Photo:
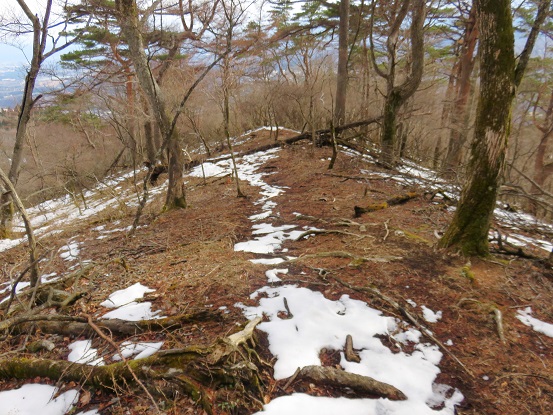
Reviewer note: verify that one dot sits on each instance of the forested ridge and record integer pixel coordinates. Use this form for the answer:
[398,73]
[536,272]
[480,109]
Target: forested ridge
[404,167]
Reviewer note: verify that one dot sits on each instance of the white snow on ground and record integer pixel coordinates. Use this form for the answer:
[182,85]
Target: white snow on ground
[126,296]
[316,322]
[134,312]
[6,244]
[83,352]
[540,326]
[268,261]
[8,288]
[319,323]
[209,170]
[70,252]
[429,315]
[139,350]
[126,308]
[34,398]
[272,274]
[48,217]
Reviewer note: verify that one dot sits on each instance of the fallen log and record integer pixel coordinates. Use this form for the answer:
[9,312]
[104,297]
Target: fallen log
[395,200]
[364,386]
[194,371]
[70,325]
[308,135]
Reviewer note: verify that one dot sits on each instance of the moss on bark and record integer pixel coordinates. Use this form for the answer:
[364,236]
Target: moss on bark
[470,225]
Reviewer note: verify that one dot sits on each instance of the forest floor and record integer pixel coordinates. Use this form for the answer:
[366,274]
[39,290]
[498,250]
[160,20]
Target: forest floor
[188,257]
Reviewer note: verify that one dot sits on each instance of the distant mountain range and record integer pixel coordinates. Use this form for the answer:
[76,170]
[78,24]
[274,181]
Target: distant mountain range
[12,81]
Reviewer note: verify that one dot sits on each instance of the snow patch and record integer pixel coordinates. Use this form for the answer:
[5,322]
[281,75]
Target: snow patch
[540,326]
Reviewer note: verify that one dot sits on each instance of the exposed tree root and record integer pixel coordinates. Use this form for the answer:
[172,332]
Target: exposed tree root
[193,370]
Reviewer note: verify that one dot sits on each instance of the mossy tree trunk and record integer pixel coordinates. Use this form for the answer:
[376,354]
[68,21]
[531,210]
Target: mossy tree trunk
[397,95]
[468,230]
[127,16]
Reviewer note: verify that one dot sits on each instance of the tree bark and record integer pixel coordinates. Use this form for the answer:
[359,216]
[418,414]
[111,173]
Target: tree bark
[40,32]
[463,87]
[363,385]
[397,95]
[128,19]
[469,227]
[342,75]
[499,78]
[28,228]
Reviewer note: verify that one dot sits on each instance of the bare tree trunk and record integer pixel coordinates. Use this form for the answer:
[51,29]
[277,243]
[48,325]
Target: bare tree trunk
[149,132]
[28,228]
[468,230]
[128,19]
[470,225]
[396,96]
[543,170]
[459,114]
[40,32]
[342,75]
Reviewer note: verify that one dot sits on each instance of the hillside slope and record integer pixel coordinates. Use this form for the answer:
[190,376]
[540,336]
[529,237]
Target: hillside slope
[298,226]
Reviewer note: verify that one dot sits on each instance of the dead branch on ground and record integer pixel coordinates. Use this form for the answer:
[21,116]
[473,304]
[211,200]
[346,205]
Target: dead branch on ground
[396,200]
[364,386]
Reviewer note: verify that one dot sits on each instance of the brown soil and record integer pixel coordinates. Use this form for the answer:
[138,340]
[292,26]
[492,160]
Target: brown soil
[188,257]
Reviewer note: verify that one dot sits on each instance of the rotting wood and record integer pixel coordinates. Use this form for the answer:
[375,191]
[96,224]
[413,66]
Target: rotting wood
[351,355]
[364,386]
[395,305]
[395,200]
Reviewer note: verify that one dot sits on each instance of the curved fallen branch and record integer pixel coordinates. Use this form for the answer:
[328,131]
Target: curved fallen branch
[364,386]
